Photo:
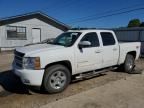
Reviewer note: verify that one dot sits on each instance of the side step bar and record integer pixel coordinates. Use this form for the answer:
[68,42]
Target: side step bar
[91,74]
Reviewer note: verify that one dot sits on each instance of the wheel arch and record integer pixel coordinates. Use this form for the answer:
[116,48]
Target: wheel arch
[66,63]
[133,53]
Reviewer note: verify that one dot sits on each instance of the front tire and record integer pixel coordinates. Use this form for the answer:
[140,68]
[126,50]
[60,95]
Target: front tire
[56,78]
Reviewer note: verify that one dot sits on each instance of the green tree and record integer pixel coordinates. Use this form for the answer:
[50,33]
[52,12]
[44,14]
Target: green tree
[134,23]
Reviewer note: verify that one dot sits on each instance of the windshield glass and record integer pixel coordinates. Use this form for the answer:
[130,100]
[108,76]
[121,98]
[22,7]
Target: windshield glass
[67,39]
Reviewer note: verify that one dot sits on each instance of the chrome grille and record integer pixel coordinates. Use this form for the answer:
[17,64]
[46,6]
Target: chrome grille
[19,59]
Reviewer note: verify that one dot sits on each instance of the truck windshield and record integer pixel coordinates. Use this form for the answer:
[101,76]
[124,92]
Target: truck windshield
[66,39]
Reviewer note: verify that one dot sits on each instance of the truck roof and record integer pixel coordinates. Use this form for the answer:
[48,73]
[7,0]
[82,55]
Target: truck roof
[91,30]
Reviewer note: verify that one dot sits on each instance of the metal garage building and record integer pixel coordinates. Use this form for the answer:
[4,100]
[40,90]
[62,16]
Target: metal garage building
[28,28]
[135,34]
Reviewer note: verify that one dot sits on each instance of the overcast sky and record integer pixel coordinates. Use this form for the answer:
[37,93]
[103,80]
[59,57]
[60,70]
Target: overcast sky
[72,12]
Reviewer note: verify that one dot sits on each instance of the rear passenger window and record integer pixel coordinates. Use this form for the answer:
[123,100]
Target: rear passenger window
[107,38]
[93,38]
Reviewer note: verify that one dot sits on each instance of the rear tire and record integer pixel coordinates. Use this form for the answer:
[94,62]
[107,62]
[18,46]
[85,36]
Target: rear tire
[129,63]
[56,78]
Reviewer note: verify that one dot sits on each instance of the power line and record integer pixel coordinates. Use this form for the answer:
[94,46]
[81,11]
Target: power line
[109,15]
[109,11]
[70,3]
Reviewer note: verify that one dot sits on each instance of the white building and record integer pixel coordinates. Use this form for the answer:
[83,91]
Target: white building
[28,28]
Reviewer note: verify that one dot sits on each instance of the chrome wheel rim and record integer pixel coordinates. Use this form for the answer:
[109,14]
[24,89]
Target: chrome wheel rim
[58,80]
[130,64]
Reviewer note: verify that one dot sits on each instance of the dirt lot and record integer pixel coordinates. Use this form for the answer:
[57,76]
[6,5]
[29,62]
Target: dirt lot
[124,93]
[14,94]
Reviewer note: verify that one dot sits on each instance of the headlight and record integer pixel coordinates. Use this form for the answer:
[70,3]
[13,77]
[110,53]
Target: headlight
[31,63]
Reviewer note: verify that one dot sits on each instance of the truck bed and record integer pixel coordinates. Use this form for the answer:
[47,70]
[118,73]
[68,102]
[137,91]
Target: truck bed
[128,46]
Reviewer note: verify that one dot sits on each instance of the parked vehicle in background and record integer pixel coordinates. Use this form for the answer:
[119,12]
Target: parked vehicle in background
[44,41]
[135,34]
[76,53]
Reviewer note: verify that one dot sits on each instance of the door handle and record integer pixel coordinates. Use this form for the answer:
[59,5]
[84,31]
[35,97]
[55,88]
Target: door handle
[98,51]
[115,49]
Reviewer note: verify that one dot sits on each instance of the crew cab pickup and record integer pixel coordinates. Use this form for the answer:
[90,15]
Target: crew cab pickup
[73,53]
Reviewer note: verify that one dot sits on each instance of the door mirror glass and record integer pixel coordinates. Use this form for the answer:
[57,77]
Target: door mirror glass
[84,44]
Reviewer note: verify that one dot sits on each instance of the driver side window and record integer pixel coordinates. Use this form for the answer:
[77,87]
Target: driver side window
[92,38]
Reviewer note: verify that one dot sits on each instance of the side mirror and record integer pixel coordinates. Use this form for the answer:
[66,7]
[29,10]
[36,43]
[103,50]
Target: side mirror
[84,44]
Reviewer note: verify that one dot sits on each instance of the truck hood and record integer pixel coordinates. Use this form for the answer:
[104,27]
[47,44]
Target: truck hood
[38,48]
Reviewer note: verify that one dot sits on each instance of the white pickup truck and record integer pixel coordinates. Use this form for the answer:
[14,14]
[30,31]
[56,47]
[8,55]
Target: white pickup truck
[73,53]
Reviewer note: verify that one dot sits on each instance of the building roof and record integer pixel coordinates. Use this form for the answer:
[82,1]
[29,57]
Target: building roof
[129,29]
[39,15]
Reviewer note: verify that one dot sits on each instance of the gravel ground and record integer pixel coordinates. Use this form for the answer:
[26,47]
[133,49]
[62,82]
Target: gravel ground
[124,93]
[13,94]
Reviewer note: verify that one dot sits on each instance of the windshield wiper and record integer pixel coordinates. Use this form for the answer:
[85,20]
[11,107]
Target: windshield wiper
[35,43]
[53,43]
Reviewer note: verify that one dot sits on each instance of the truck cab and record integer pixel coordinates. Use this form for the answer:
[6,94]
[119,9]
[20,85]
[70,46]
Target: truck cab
[75,52]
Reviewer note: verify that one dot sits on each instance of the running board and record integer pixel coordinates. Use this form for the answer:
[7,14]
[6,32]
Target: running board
[92,74]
